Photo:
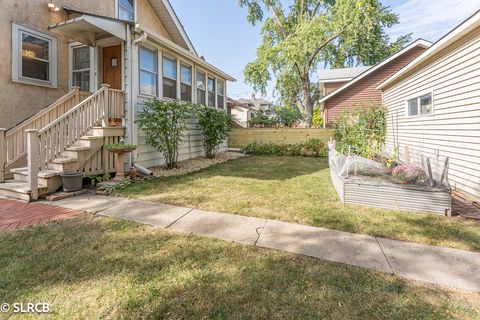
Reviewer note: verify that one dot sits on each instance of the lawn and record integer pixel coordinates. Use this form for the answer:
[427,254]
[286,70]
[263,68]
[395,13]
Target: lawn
[93,267]
[297,189]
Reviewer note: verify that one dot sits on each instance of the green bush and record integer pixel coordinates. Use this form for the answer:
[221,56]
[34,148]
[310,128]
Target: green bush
[311,148]
[362,129]
[317,118]
[164,123]
[262,120]
[215,125]
[289,115]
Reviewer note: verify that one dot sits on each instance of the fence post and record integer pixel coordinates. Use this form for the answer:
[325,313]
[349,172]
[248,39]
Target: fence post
[3,154]
[106,106]
[33,162]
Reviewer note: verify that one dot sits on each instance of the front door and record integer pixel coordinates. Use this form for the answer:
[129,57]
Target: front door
[112,66]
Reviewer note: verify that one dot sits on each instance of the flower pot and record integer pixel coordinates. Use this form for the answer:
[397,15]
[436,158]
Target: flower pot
[72,181]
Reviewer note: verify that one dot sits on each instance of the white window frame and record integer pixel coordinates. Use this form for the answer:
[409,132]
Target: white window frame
[204,72]
[17,31]
[117,10]
[218,93]
[214,90]
[192,79]
[177,81]
[418,97]
[156,56]
[71,47]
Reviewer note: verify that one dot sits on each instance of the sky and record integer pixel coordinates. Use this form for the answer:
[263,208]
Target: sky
[220,32]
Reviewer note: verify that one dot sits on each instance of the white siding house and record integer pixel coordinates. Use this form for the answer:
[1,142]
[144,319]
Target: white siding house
[433,107]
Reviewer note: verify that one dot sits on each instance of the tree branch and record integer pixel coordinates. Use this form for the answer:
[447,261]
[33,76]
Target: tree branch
[271,7]
[336,35]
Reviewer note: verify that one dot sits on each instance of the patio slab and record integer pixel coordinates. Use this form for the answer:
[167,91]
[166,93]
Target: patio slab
[443,266]
[221,225]
[155,214]
[354,249]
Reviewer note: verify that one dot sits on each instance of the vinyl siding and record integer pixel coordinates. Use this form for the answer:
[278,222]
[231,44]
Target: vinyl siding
[365,91]
[453,76]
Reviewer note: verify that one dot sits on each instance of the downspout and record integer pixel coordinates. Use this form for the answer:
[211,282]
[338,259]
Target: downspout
[132,61]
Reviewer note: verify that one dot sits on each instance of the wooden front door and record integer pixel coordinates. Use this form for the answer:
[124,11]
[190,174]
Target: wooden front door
[112,67]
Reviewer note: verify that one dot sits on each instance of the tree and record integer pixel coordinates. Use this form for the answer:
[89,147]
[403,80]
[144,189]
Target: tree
[289,115]
[164,123]
[215,125]
[296,40]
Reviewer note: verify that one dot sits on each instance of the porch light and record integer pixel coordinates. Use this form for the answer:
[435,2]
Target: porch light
[53,7]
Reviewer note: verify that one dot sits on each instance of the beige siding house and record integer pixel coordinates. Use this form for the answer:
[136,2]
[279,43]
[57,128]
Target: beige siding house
[73,73]
[434,107]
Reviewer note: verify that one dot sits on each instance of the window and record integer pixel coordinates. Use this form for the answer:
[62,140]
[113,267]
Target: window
[201,88]
[185,83]
[211,92]
[220,94]
[33,57]
[81,67]
[420,106]
[148,71]
[126,10]
[169,78]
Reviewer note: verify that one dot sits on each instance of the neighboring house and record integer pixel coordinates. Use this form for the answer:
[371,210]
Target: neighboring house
[259,105]
[56,56]
[433,107]
[340,95]
[242,112]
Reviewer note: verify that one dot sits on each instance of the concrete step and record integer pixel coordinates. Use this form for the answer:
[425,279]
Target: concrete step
[21,175]
[107,131]
[64,164]
[89,141]
[17,190]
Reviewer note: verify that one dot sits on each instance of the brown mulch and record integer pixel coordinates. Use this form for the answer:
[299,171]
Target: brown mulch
[193,165]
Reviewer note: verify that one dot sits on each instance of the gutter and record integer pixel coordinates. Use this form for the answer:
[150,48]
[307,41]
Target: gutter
[143,170]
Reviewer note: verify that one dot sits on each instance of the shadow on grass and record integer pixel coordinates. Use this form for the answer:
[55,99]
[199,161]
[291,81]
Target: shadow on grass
[98,267]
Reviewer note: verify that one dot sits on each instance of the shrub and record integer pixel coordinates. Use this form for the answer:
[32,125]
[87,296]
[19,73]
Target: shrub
[317,118]
[408,173]
[311,148]
[215,125]
[262,120]
[163,123]
[289,115]
[363,129]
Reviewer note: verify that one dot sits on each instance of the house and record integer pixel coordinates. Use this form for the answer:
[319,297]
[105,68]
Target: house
[74,75]
[433,108]
[242,112]
[259,105]
[345,89]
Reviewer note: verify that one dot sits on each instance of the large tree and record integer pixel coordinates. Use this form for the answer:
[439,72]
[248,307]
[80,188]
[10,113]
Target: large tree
[298,38]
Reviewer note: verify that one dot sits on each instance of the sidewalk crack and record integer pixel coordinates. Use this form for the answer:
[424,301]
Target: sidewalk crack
[176,220]
[259,233]
[386,258]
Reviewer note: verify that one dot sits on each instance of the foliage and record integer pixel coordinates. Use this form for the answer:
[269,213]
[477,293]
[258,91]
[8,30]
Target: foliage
[164,123]
[215,125]
[288,115]
[298,38]
[362,129]
[311,148]
[408,173]
[262,120]
[94,180]
[317,118]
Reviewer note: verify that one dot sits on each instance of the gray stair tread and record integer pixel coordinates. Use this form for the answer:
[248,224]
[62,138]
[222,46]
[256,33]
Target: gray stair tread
[41,174]
[91,138]
[17,186]
[64,160]
[78,148]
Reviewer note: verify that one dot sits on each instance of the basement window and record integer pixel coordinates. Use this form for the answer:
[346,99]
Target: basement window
[420,106]
[33,57]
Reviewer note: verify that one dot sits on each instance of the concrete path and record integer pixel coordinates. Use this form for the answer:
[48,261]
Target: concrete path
[442,266]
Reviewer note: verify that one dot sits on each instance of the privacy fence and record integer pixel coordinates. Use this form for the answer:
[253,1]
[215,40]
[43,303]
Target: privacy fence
[242,137]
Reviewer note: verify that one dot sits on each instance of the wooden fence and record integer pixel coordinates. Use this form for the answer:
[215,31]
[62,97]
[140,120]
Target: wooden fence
[242,137]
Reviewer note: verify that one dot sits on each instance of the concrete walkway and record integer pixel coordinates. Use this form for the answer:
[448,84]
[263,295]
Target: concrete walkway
[442,266]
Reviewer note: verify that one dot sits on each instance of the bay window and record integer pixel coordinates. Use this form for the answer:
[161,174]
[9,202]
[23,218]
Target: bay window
[211,92]
[220,94]
[201,88]
[33,56]
[185,83]
[148,71]
[420,106]
[169,78]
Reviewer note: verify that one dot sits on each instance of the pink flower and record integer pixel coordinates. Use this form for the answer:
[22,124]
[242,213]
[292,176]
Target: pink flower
[408,172]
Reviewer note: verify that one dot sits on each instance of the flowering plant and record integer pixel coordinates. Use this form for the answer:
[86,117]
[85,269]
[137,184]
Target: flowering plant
[407,173]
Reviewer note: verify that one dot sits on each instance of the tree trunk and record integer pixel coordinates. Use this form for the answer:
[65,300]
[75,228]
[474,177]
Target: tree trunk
[307,100]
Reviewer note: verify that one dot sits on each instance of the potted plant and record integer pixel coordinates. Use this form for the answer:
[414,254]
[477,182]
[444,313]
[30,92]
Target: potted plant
[120,150]
[407,174]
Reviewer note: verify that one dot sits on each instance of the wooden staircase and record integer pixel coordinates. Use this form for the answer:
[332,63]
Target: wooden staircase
[72,141]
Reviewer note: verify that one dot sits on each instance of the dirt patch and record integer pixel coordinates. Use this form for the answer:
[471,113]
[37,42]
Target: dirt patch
[192,165]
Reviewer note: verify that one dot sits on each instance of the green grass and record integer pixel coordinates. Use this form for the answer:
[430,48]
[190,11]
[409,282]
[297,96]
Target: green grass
[102,268]
[297,189]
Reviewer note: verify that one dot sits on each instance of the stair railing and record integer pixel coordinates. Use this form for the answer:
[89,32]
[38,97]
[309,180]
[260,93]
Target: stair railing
[13,142]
